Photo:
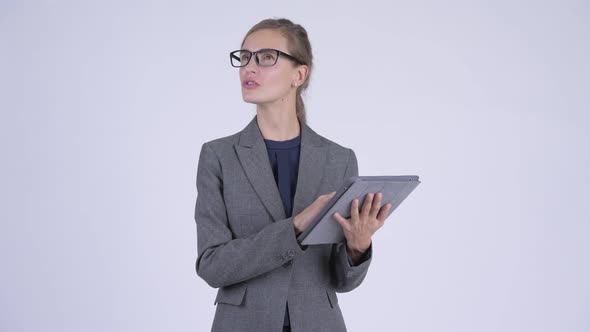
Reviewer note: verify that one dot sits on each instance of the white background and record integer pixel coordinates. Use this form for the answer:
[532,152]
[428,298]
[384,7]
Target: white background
[105,105]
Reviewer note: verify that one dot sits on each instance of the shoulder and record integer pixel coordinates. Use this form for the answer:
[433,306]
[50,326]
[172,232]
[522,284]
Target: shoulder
[332,146]
[221,144]
[228,140]
[336,146]
[337,154]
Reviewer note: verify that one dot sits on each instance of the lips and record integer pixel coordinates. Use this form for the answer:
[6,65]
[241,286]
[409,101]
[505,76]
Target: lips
[249,84]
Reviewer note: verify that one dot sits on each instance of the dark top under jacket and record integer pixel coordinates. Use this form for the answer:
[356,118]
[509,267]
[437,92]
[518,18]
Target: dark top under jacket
[284,161]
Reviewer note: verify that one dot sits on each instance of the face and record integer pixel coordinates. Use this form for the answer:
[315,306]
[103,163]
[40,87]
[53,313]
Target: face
[273,83]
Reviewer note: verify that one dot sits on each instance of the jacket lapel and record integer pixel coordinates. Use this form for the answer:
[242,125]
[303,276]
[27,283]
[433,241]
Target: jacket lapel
[312,163]
[253,157]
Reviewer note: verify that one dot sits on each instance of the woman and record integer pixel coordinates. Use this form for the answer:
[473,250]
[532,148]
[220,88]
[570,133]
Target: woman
[258,189]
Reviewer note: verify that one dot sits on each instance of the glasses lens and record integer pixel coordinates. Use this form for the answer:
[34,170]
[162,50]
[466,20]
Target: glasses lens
[267,57]
[240,58]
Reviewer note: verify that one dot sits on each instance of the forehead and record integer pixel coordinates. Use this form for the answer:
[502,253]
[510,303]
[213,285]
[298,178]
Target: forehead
[266,38]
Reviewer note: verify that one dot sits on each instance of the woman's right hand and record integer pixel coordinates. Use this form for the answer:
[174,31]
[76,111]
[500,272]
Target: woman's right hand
[303,219]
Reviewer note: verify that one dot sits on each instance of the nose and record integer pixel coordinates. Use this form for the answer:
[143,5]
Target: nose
[252,66]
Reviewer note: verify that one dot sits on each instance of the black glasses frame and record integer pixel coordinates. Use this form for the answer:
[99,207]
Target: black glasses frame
[255,55]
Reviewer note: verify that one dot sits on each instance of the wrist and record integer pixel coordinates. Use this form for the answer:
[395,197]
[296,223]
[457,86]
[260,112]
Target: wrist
[356,252]
[358,248]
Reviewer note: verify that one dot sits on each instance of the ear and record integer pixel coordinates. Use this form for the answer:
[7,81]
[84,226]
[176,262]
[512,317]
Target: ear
[300,75]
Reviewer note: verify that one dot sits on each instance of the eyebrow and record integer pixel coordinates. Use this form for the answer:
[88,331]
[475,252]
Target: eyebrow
[262,48]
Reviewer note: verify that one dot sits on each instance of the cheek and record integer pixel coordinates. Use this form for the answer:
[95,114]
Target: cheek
[278,80]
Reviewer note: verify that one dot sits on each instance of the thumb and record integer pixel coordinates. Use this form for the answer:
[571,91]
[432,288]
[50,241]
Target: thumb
[340,219]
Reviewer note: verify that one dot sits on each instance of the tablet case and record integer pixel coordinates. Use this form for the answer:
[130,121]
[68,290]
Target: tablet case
[325,229]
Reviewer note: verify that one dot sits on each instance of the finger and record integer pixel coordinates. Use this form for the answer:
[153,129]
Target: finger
[341,220]
[326,197]
[367,205]
[354,210]
[383,212]
[376,205]
[322,200]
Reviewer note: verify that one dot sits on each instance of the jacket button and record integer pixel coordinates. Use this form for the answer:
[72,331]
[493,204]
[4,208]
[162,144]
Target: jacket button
[291,252]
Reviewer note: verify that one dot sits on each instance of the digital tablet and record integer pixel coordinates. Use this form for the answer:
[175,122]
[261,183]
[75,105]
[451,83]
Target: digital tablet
[325,229]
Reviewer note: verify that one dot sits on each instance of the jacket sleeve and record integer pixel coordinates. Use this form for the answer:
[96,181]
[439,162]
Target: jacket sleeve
[221,259]
[345,276]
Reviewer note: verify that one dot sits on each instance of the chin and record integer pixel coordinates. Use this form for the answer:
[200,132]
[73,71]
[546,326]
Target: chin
[250,100]
[253,99]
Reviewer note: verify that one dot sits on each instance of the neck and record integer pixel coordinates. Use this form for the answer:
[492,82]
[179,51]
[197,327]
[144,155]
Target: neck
[278,122]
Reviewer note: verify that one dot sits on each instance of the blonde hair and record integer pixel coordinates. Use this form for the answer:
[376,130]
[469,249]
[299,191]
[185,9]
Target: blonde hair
[299,47]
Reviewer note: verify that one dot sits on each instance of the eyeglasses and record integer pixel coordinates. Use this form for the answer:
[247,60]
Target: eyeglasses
[265,57]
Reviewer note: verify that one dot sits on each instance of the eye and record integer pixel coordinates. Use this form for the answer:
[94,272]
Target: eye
[267,56]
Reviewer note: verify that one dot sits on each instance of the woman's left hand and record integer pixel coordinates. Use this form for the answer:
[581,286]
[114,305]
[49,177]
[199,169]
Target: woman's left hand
[361,226]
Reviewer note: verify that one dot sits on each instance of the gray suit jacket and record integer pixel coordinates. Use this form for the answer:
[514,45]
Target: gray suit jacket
[247,247]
